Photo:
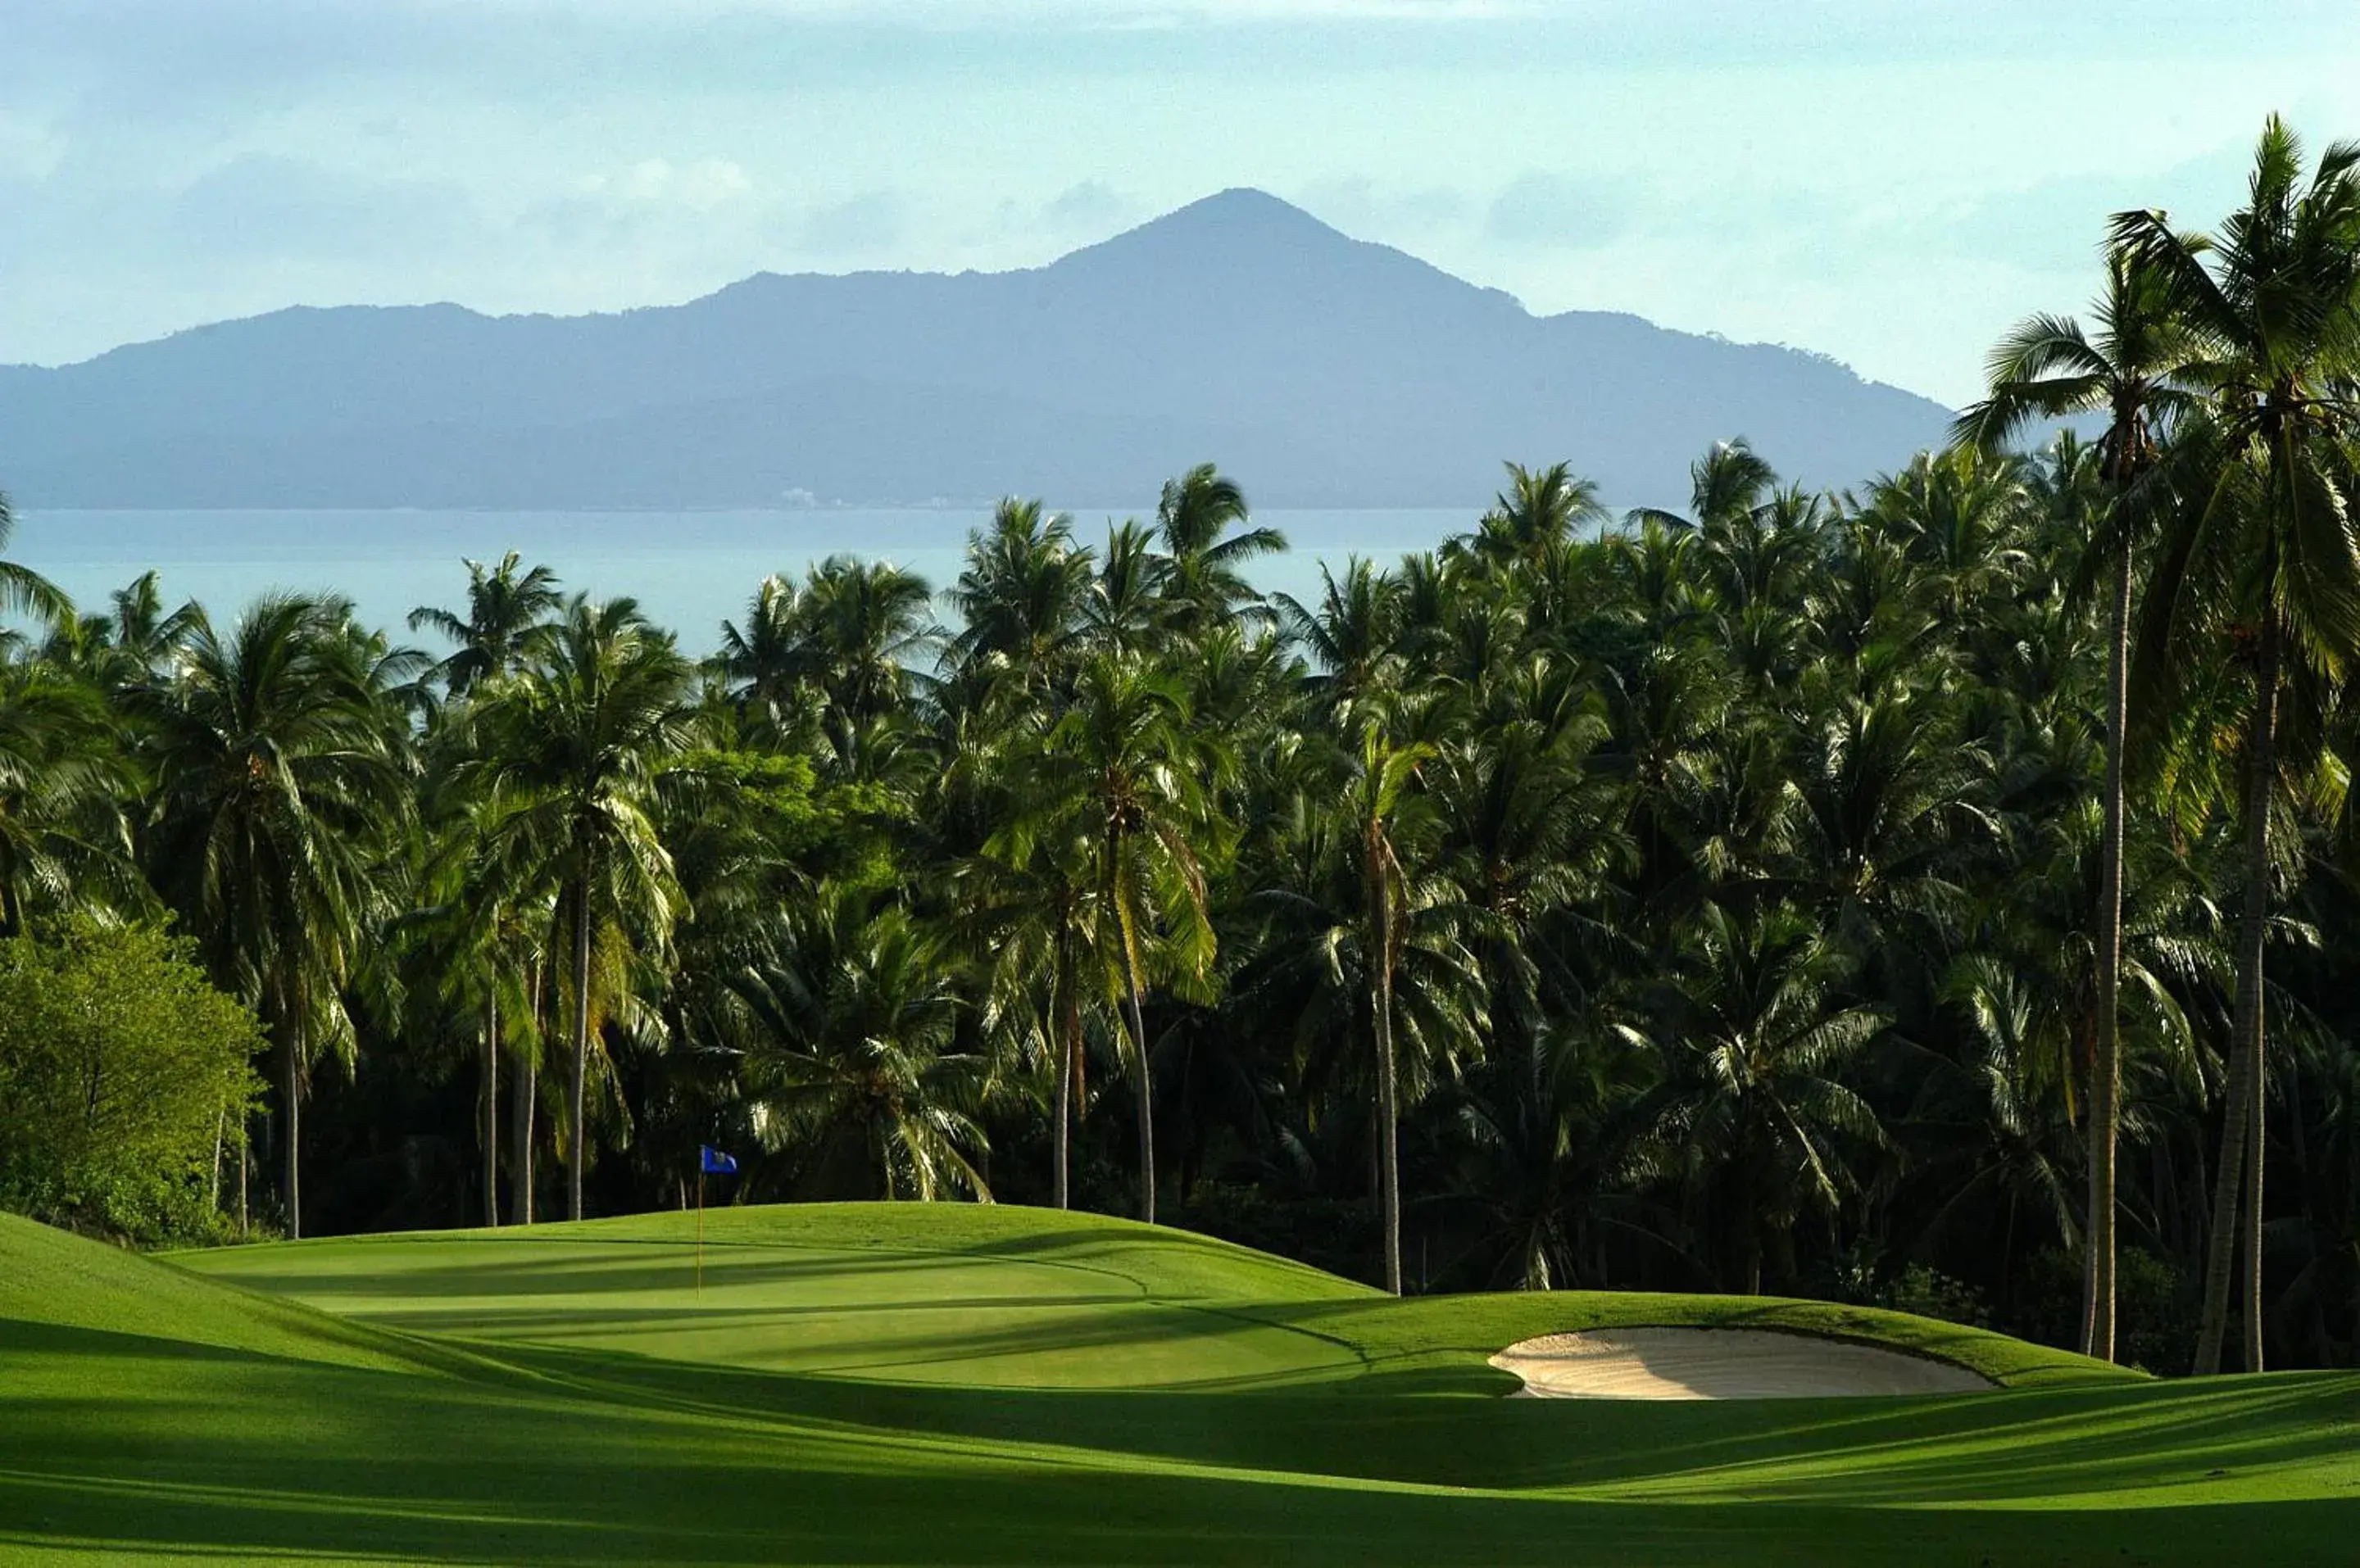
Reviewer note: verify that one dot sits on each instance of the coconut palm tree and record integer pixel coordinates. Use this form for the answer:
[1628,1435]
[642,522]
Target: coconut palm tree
[1540,508]
[2130,369]
[1963,515]
[1121,770]
[1341,940]
[130,643]
[1029,899]
[1352,635]
[1389,812]
[64,839]
[1530,826]
[1200,577]
[2263,557]
[24,591]
[766,661]
[856,1066]
[1126,603]
[277,782]
[865,625]
[1022,596]
[1754,1117]
[573,748]
[478,936]
[508,612]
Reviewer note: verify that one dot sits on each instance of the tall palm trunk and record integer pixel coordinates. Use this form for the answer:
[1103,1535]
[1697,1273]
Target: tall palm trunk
[521,1104]
[290,1086]
[578,1132]
[1138,1021]
[2105,1066]
[492,1112]
[1135,1017]
[2239,1125]
[1381,967]
[1064,1029]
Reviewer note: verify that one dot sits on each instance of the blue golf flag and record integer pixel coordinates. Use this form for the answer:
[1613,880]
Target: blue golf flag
[716,1163]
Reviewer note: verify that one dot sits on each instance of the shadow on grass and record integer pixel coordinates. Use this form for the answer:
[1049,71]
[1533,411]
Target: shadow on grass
[110,1448]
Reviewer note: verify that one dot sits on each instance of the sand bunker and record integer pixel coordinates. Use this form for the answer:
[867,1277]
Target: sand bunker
[1719,1363]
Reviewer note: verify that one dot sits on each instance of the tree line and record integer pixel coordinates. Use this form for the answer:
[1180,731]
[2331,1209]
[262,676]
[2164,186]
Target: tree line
[1938,893]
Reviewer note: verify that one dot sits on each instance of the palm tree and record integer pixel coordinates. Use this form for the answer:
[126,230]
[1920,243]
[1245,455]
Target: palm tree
[142,631]
[123,648]
[1201,581]
[1753,1115]
[1029,899]
[1388,812]
[508,612]
[24,591]
[2262,557]
[1353,634]
[2130,368]
[856,1067]
[1531,825]
[277,779]
[1126,604]
[1549,1126]
[1963,514]
[866,624]
[1539,509]
[479,938]
[64,839]
[1344,938]
[1121,770]
[1022,595]
[765,660]
[572,749]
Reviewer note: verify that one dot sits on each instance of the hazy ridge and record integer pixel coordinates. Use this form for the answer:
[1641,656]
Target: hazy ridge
[1323,371]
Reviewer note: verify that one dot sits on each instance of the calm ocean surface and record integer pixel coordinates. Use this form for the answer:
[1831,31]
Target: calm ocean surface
[690,570]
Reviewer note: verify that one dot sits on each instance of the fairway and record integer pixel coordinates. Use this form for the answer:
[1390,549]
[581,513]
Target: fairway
[908,1383]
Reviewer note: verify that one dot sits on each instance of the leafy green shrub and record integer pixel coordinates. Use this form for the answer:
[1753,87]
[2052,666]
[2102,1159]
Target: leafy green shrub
[1932,1294]
[120,1069]
[2155,1308]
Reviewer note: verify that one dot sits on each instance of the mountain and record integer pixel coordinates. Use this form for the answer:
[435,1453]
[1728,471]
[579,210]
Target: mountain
[1321,370]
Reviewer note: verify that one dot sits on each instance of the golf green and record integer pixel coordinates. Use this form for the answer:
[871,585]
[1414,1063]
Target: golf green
[908,1384]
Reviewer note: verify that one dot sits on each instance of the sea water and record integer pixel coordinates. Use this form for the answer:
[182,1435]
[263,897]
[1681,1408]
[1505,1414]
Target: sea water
[690,570]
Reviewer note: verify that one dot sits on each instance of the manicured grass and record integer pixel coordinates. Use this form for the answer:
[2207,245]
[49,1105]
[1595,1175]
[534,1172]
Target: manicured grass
[897,1385]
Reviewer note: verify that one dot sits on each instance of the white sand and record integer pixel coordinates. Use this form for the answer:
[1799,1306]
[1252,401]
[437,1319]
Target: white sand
[1719,1363]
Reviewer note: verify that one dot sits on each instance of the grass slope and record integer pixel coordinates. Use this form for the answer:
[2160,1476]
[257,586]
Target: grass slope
[977,1295]
[939,1414]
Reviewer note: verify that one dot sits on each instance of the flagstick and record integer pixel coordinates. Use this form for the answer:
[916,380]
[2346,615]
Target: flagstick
[700,1226]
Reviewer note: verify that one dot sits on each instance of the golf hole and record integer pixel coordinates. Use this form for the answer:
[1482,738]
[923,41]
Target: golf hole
[1720,1363]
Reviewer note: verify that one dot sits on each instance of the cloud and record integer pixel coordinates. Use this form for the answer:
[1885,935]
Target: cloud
[1557,212]
[2059,225]
[860,225]
[1359,206]
[700,187]
[1088,207]
[263,206]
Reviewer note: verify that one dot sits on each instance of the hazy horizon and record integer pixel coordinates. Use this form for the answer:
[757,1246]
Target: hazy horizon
[689,569]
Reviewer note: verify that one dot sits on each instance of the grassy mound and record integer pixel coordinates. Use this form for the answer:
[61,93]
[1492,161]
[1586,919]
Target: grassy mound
[972,1295]
[59,1289]
[896,1385]
[981,1296]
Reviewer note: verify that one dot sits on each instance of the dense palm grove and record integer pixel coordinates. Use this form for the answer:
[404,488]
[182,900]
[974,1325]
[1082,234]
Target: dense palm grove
[1941,893]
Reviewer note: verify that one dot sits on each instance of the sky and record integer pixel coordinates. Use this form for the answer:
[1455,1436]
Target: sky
[1888,181]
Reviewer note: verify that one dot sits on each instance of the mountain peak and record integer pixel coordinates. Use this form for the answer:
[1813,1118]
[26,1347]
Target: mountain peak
[1240,219]
[1237,207]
